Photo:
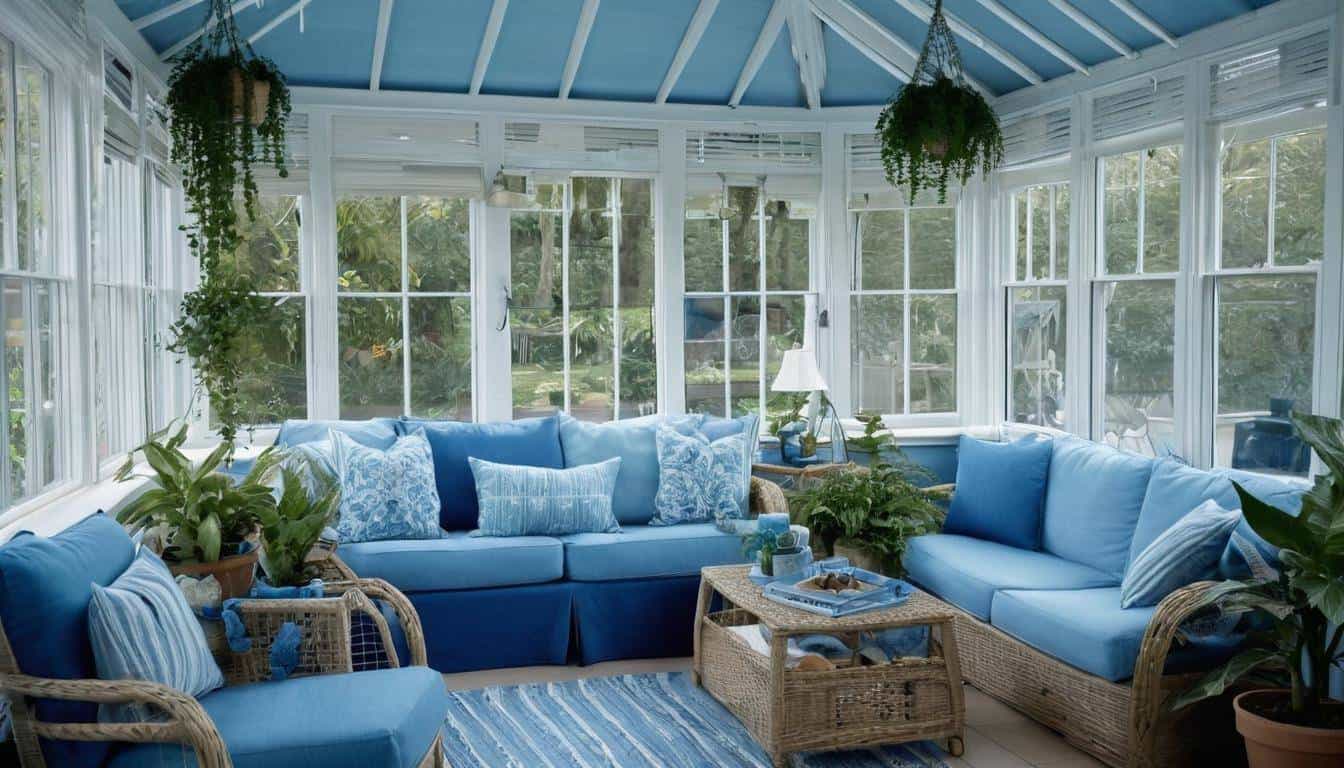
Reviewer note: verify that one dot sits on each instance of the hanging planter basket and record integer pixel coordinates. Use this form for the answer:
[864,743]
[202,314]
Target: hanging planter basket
[938,127]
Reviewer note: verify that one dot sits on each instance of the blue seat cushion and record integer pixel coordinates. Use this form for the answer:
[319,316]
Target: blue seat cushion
[1000,489]
[388,718]
[1087,629]
[967,572]
[1092,503]
[1174,490]
[528,442]
[45,588]
[644,551]
[371,433]
[457,561]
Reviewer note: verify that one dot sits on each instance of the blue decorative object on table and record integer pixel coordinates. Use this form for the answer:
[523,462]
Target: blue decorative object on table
[881,592]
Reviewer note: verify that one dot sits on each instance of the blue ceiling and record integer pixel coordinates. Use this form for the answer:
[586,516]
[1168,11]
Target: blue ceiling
[432,45]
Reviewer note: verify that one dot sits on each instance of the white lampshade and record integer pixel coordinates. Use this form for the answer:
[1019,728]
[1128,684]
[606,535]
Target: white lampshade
[798,372]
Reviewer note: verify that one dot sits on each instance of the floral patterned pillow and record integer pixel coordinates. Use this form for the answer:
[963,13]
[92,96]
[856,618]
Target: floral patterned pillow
[698,480]
[386,494]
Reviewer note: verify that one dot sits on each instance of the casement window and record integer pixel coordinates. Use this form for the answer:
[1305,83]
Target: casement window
[1037,303]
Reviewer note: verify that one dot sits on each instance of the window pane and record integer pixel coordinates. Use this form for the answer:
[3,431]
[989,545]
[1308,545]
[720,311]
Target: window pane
[1061,231]
[704,356]
[438,244]
[592,381]
[1245,204]
[1037,355]
[744,354]
[441,358]
[1266,338]
[268,249]
[29,309]
[536,242]
[786,248]
[877,338]
[933,248]
[639,366]
[1140,334]
[1120,224]
[703,242]
[368,243]
[744,256]
[538,361]
[590,257]
[883,266]
[933,354]
[370,344]
[1040,232]
[274,350]
[786,321]
[639,373]
[1162,210]
[1299,198]
[1020,245]
[637,270]
[31,137]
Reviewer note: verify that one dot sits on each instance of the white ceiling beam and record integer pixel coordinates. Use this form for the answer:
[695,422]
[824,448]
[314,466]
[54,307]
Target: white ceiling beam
[924,12]
[488,44]
[1144,20]
[172,9]
[774,22]
[808,50]
[576,46]
[1093,28]
[181,45]
[380,43]
[1034,35]
[689,42]
[277,21]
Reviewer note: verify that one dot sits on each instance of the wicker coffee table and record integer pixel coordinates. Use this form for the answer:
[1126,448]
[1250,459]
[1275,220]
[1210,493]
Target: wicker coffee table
[792,710]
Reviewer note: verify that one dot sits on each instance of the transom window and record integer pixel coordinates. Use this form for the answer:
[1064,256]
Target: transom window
[1037,304]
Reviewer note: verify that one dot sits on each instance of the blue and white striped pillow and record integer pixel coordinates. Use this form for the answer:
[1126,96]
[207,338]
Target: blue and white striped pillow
[1183,554]
[141,628]
[516,500]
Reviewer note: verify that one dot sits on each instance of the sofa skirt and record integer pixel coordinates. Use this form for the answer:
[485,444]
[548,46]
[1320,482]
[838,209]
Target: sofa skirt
[634,618]
[474,629]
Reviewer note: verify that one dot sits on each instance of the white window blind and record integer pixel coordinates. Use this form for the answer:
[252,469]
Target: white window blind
[571,146]
[435,140]
[121,129]
[1036,136]
[1149,104]
[1290,74]
[752,152]
[868,185]
[393,178]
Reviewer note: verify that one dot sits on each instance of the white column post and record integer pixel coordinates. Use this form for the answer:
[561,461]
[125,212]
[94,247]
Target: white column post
[324,394]
[670,263]
[980,306]
[1080,338]
[493,379]
[834,266]
[1329,383]
[1188,380]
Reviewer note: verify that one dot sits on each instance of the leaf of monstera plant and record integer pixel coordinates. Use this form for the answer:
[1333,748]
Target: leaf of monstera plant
[1217,681]
[1327,595]
[1274,525]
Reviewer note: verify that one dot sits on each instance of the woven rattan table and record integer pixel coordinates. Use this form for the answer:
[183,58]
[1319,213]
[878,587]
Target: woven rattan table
[793,710]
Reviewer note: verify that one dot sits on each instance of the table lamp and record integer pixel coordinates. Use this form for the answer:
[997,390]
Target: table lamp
[798,372]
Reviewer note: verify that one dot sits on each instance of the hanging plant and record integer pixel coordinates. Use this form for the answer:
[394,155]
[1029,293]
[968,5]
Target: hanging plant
[229,108]
[938,126]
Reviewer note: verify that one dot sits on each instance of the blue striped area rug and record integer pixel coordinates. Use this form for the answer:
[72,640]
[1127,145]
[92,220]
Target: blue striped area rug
[654,720]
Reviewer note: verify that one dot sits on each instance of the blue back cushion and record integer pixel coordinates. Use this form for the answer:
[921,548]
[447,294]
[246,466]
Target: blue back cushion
[371,433]
[1092,503]
[1278,492]
[1000,489]
[1174,490]
[632,440]
[45,588]
[527,442]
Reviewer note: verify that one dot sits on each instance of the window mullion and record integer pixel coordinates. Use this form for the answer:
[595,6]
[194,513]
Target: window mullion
[405,301]
[1030,262]
[567,205]
[614,208]
[1272,198]
[1143,198]
[906,351]
[761,305]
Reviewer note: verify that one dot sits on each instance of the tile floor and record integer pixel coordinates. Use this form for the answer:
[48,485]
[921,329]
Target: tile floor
[996,735]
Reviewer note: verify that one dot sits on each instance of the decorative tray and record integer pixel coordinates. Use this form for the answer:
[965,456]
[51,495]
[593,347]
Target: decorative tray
[866,591]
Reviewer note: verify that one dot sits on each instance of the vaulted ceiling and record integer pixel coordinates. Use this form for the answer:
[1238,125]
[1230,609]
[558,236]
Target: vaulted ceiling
[787,53]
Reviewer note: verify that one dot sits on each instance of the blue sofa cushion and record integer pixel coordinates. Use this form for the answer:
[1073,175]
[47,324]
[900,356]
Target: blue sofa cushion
[632,441]
[1173,491]
[387,717]
[521,501]
[458,561]
[386,494]
[372,433]
[1186,552]
[699,480]
[1087,629]
[1279,492]
[643,551]
[1000,488]
[967,572]
[45,588]
[528,442]
[1092,503]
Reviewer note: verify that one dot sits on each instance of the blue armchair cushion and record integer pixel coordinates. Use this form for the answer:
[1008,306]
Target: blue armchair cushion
[386,718]
[525,442]
[458,561]
[141,628]
[1092,503]
[45,588]
[649,551]
[386,494]
[1000,490]
[373,433]
[699,480]
[1173,491]
[1183,554]
[967,572]
[535,501]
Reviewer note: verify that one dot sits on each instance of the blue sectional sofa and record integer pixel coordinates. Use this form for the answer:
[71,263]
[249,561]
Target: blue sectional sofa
[1042,626]
[488,602]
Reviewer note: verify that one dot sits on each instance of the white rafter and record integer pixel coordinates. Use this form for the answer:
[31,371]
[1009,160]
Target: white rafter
[576,46]
[1144,20]
[689,42]
[808,49]
[172,9]
[180,45]
[922,10]
[1034,35]
[277,21]
[1093,28]
[488,44]
[380,44]
[774,22]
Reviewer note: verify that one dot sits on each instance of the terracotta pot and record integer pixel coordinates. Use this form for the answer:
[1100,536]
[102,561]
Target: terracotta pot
[1271,744]
[234,574]
[261,93]
[858,556]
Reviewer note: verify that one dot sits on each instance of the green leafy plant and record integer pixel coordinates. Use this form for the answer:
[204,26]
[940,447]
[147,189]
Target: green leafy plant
[1298,648]
[291,528]
[873,440]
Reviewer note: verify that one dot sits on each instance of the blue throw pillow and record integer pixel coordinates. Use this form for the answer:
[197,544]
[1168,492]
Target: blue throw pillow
[141,628]
[1183,554]
[386,494]
[699,480]
[523,442]
[1000,491]
[536,501]
[1092,503]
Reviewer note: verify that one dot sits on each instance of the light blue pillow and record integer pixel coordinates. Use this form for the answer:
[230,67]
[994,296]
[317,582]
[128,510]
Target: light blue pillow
[141,628]
[386,494]
[1000,490]
[699,480]
[518,500]
[1183,554]
[1092,500]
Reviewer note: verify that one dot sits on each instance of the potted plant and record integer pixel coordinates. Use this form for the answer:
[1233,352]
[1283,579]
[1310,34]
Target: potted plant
[205,519]
[873,440]
[1289,719]
[291,528]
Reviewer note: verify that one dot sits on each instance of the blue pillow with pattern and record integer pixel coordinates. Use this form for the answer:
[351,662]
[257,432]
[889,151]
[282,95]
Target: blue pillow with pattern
[519,500]
[700,480]
[386,494]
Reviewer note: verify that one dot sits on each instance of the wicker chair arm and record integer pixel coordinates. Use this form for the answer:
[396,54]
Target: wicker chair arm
[324,624]
[377,589]
[766,497]
[187,721]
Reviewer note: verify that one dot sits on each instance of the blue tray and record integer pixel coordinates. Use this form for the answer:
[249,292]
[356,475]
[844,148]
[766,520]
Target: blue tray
[886,592]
